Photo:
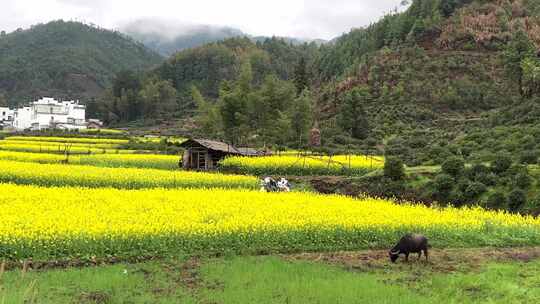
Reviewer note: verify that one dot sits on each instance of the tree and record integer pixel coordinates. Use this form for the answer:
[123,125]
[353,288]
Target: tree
[353,117]
[125,80]
[531,76]
[234,105]
[394,168]
[453,166]
[517,51]
[92,108]
[443,184]
[158,98]
[207,115]
[474,190]
[3,100]
[501,163]
[280,134]
[273,98]
[516,200]
[301,77]
[523,180]
[496,201]
[529,157]
[302,118]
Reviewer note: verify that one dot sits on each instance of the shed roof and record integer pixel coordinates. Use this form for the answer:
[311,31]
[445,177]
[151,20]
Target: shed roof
[221,147]
[249,151]
[211,145]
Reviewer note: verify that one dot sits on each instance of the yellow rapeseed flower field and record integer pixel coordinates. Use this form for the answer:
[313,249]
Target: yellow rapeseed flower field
[58,222]
[154,161]
[125,178]
[300,165]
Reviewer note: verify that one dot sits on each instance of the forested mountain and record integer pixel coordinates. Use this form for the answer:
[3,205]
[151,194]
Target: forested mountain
[66,60]
[209,69]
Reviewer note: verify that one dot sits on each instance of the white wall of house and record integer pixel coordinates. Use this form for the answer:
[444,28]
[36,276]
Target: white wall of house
[50,113]
[22,118]
[6,114]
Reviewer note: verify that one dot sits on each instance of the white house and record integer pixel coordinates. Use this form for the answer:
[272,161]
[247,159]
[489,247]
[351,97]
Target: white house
[50,113]
[6,115]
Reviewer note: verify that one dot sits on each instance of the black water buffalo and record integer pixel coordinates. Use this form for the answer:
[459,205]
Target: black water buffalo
[410,243]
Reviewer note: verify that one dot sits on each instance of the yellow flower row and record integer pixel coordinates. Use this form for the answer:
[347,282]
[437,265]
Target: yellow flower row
[57,145]
[103,131]
[125,178]
[153,161]
[38,147]
[51,222]
[71,139]
[303,165]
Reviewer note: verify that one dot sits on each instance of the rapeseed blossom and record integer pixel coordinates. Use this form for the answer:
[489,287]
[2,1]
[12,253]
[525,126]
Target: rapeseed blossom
[56,222]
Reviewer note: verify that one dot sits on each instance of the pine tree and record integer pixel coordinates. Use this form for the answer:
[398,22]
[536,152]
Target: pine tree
[207,118]
[353,118]
[302,119]
[518,49]
[301,77]
[234,109]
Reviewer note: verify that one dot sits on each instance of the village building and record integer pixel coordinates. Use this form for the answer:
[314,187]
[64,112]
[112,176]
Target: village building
[94,124]
[49,113]
[6,116]
[204,154]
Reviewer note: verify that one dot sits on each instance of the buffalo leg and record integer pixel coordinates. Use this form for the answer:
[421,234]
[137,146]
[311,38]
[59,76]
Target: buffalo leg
[426,254]
[419,254]
[406,257]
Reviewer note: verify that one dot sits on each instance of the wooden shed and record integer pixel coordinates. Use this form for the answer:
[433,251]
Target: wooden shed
[204,154]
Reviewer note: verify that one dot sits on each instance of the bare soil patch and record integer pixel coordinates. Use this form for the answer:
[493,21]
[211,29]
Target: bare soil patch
[446,260]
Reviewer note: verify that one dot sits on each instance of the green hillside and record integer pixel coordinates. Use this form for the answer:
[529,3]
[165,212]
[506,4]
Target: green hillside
[432,75]
[412,85]
[66,60]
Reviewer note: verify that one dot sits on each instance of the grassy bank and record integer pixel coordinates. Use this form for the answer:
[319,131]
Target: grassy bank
[505,276]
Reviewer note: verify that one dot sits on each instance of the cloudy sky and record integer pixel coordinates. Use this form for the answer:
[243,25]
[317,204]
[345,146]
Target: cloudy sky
[298,18]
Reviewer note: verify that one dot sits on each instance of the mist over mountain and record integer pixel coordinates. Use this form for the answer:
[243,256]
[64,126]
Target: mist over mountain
[168,36]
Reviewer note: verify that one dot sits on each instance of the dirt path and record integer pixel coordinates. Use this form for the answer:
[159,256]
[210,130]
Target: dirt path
[447,260]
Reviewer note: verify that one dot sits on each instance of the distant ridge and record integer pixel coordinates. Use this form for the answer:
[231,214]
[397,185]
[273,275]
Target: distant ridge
[169,37]
[66,60]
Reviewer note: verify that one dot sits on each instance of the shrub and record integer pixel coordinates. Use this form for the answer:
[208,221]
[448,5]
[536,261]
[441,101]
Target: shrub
[496,201]
[443,183]
[501,163]
[462,184]
[456,198]
[477,170]
[488,179]
[523,180]
[474,191]
[394,168]
[516,200]
[453,166]
[529,157]
[533,206]
[438,154]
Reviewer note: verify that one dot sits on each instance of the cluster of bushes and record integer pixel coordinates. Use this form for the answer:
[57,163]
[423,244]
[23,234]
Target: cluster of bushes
[502,185]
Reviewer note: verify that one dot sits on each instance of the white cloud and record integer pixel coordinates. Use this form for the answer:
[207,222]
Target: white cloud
[299,18]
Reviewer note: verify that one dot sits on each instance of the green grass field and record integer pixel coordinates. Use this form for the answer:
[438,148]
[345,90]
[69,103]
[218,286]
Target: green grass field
[455,276]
